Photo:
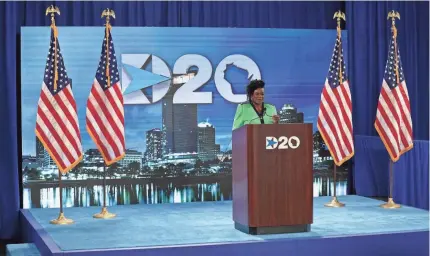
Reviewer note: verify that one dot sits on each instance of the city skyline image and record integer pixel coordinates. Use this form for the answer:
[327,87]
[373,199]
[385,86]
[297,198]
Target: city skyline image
[175,152]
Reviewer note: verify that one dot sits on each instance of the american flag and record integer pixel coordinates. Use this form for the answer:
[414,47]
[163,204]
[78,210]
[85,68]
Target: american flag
[57,125]
[393,116]
[334,117]
[105,106]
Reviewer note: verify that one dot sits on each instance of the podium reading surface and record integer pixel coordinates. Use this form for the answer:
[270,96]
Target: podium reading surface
[273,178]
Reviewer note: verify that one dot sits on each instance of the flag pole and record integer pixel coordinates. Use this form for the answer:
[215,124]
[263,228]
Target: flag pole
[338,15]
[61,220]
[334,201]
[105,214]
[390,204]
[393,15]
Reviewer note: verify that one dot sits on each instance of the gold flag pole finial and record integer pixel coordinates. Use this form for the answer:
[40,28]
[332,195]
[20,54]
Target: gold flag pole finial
[54,10]
[108,13]
[393,15]
[338,16]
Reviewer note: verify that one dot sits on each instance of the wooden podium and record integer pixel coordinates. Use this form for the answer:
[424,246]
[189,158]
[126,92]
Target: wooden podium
[273,178]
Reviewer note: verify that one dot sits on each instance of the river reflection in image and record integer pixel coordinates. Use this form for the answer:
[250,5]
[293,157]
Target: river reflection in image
[149,193]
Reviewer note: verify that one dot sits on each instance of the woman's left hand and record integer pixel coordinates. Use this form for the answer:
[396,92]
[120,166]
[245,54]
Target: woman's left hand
[275,119]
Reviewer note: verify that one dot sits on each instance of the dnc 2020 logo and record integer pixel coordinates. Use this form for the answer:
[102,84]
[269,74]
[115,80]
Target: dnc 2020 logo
[143,71]
[282,142]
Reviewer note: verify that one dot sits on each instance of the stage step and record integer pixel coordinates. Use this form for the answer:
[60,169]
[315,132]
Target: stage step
[22,250]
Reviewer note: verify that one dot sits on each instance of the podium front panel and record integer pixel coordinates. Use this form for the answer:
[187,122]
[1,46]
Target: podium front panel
[275,163]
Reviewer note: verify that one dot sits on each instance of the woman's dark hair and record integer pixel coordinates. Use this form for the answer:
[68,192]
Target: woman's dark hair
[252,86]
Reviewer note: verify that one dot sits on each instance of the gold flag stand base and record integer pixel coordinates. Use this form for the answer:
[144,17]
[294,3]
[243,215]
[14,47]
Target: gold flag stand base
[104,214]
[61,220]
[334,203]
[390,204]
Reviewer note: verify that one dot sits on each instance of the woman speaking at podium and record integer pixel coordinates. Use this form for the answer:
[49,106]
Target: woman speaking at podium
[255,111]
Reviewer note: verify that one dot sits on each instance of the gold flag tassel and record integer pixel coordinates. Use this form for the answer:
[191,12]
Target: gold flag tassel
[393,15]
[108,13]
[338,15]
[108,27]
[105,214]
[54,10]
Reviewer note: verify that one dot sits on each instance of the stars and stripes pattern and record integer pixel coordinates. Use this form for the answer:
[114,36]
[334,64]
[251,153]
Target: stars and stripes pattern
[105,106]
[393,116]
[57,125]
[335,110]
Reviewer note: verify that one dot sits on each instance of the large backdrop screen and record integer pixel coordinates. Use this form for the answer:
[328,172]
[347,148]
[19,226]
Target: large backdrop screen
[181,88]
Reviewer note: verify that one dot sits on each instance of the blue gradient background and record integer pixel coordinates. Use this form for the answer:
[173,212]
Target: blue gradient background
[293,63]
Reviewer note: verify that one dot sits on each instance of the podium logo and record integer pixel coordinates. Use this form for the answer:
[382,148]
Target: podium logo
[282,142]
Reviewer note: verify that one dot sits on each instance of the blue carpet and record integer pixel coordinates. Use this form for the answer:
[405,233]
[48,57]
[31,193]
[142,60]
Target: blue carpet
[211,222]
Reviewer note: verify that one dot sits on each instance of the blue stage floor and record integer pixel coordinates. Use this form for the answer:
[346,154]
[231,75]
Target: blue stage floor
[211,222]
